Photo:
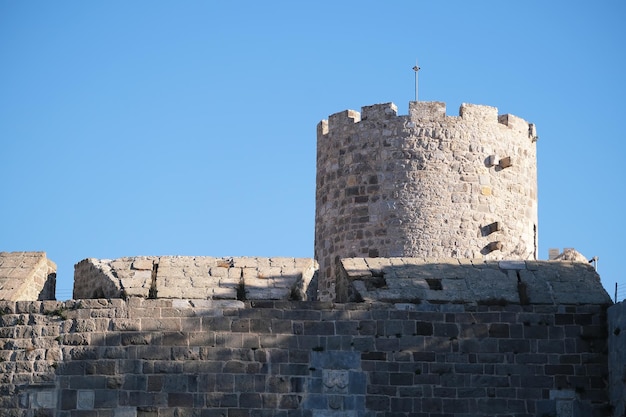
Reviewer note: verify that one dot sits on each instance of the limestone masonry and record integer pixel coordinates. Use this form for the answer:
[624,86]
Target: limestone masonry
[428,299]
[424,185]
[27,276]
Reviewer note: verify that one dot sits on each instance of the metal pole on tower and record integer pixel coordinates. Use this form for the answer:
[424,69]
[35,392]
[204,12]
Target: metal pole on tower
[416,68]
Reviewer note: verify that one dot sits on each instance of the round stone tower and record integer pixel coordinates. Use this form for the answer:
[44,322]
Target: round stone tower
[424,185]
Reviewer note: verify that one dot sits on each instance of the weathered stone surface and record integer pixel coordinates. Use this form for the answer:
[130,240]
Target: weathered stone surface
[195,277]
[27,276]
[424,185]
[414,280]
[167,357]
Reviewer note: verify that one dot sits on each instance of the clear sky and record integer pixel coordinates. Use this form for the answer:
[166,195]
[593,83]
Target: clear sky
[188,128]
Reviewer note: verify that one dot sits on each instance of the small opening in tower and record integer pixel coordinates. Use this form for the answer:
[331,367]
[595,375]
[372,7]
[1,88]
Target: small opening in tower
[434,284]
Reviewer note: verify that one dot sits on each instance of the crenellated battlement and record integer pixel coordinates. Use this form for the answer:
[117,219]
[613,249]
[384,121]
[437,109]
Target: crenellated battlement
[424,111]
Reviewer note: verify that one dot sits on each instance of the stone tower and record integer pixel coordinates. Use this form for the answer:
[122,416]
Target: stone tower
[424,185]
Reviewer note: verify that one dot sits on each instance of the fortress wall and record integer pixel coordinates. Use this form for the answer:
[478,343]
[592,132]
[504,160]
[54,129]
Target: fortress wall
[424,185]
[210,358]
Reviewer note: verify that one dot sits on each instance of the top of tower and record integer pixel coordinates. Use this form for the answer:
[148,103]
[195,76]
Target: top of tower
[427,111]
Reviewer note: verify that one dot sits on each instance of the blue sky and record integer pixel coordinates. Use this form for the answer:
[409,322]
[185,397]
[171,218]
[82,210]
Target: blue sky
[188,128]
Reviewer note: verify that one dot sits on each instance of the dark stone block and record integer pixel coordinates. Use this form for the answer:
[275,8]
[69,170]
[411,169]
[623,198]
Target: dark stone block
[514,369]
[377,403]
[155,382]
[381,390]
[594,332]
[213,412]
[559,370]
[379,378]
[293,369]
[135,338]
[489,381]
[545,408]
[444,392]
[514,345]
[238,412]
[240,326]
[385,344]
[550,346]
[456,406]
[491,406]
[313,315]
[537,381]
[363,343]
[357,383]
[446,330]
[536,332]
[260,325]
[134,382]
[347,327]
[279,326]
[429,405]
[583,319]
[68,399]
[289,401]
[216,324]
[234,367]
[278,384]
[250,400]
[401,405]
[468,368]
[374,356]
[367,327]
[500,330]
[153,352]
[105,399]
[335,360]
[561,319]
[178,399]
[72,368]
[316,402]
[175,339]
[424,328]
[225,383]
[424,356]
[401,378]
[88,382]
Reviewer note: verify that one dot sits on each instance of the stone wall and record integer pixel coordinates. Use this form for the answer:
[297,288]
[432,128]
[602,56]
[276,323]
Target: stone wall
[424,185]
[27,276]
[415,280]
[617,357]
[201,277]
[214,358]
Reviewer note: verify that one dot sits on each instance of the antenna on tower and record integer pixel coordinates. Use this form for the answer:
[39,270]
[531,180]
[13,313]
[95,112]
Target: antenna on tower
[416,68]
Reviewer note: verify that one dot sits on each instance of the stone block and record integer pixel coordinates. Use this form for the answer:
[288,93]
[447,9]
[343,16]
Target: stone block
[335,360]
[26,276]
[46,398]
[85,399]
[125,412]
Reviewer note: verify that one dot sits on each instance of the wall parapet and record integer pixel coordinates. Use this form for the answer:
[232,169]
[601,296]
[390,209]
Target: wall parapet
[460,281]
[227,278]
